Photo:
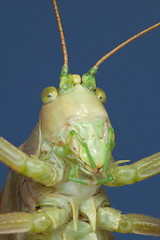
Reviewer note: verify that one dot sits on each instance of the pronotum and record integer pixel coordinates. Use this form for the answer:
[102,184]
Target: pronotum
[114,77]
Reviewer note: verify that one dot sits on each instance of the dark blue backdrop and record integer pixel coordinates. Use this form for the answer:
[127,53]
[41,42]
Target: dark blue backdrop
[31,59]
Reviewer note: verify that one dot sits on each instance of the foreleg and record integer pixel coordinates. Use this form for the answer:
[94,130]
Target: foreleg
[112,220]
[138,171]
[32,167]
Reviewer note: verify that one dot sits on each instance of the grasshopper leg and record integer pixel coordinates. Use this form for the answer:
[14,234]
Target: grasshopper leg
[20,222]
[138,171]
[112,220]
[32,167]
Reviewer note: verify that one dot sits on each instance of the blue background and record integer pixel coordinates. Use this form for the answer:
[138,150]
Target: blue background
[31,59]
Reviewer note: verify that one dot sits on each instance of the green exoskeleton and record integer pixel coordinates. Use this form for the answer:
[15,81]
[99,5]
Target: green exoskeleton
[53,191]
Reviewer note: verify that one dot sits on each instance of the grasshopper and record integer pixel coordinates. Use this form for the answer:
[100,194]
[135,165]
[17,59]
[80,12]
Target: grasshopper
[108,178]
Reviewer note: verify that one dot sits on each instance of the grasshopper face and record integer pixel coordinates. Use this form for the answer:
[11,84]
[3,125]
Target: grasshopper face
[82,111]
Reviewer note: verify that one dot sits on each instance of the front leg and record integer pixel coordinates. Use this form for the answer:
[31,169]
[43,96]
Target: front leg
[138,171]
[32,167]
[112,220]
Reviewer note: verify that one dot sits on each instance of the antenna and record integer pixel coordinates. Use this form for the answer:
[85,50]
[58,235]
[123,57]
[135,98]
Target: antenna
[65,78]
[65,55]
[99,62]
[88,79]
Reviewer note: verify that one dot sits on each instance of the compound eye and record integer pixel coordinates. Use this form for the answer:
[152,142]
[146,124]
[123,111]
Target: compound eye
[100,94]
[48,95]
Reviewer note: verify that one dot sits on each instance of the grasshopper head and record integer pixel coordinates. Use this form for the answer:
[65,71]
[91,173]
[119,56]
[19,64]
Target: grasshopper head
[77,108]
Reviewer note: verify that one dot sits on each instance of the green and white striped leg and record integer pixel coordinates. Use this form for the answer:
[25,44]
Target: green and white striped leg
[32,167]
[20,222]
[112,220]
[138,171]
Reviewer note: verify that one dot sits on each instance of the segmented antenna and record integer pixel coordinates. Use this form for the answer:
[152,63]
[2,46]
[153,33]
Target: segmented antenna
[98,63]
[65,55]
[88,79]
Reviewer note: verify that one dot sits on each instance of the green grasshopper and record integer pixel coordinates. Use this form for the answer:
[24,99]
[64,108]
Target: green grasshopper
[54,188]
